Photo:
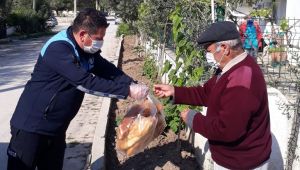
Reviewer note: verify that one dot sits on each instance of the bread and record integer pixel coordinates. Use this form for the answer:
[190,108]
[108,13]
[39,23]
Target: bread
[128,120]
[140,128]
[142,123]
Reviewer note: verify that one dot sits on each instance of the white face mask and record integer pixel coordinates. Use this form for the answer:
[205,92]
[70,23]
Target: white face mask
[96,46]
[211,59]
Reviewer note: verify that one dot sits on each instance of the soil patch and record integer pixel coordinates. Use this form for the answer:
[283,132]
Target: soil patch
[165,152]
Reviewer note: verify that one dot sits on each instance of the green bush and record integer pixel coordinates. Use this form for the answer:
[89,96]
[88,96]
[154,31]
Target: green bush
[277,49]
[264,12]
[150,69]
[125,29]
[26,21]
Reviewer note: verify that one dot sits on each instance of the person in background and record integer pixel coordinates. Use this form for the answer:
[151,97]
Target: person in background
[274,38]
[69,65]
[237,122]
[251,36]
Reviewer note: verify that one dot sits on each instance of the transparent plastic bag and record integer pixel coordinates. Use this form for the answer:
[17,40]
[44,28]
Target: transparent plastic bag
[143,122]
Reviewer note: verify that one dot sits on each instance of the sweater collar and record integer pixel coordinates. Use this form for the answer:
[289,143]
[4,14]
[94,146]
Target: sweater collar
[233,62]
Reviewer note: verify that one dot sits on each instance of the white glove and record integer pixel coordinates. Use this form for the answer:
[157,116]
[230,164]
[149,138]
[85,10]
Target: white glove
[138,91]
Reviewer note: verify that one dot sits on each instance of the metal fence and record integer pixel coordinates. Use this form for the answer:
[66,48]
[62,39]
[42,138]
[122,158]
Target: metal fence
[279,59]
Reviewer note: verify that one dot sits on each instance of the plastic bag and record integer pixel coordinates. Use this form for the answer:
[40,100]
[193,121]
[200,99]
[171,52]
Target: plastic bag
[143,122]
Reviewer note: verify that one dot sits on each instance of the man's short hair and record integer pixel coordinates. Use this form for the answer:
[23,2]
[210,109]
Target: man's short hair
[89,19]
[234,44]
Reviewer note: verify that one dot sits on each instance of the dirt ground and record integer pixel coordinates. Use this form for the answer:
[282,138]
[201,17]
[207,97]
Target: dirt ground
[164,152]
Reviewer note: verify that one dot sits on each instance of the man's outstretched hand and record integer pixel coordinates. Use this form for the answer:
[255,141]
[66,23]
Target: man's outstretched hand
[163,90]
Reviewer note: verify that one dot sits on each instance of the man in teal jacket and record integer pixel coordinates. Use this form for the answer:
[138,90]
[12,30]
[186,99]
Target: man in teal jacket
[69,65]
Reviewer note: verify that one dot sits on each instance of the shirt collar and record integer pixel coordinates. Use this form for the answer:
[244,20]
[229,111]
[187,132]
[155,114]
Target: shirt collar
[233,62]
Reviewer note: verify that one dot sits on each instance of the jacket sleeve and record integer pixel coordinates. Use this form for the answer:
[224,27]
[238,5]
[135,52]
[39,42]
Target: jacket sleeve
[237,105]
[60,58]
[196,96]
[107,70]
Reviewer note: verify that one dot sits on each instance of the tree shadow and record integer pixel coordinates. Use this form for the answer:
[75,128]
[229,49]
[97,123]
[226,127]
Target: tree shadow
[76,155]
[3,156]
[202,153]
[160,156]
[276,158]
[98,163]
[133,60]
[18,59]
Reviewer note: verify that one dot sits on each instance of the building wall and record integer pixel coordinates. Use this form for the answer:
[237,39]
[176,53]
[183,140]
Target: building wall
[292,9]
[280,9]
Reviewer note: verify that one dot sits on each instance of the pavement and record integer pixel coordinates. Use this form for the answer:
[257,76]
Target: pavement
[85,135]
[17,60]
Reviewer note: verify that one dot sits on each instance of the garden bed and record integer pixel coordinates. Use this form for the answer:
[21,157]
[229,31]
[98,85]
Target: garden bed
[165,152]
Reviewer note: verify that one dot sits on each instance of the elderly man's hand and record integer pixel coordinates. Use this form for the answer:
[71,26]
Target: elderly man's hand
[138,91]
[163,90]
[184,115]
[187,116]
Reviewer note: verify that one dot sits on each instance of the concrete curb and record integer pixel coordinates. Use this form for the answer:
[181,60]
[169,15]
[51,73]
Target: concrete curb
[97,158]
[5,40]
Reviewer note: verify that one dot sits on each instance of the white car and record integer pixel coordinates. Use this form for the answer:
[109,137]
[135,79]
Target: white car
[118,20]
[51,22]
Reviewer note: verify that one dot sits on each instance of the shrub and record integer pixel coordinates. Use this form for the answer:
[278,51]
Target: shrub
[150,69]
[26,21]
[277,49]
[125,29]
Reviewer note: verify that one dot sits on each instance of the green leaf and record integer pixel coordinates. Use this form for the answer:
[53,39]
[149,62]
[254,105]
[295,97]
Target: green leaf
[182,107]
[167,66]
[174,79]
[174,127]
[198,71]
[177,22]
[178,65]
[182,42]
[180,82]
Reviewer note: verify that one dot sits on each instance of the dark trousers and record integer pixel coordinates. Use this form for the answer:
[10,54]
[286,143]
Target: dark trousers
[26,151]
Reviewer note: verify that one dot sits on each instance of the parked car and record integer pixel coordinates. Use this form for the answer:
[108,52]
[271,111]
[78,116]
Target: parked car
[51,22]
[118,20]
[105,13]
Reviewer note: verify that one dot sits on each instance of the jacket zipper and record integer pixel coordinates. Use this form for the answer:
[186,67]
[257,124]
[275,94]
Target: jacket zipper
[48,106]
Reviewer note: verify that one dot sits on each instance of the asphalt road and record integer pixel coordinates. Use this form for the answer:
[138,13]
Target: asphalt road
[17,59]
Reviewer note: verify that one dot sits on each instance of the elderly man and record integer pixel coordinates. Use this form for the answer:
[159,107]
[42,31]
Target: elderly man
[69,65]
[237,123]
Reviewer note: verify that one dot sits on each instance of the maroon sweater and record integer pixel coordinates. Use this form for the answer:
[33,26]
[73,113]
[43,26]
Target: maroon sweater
[237,123]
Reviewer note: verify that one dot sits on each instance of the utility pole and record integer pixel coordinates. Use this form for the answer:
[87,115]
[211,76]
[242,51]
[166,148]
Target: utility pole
[212,4]
[33,4]
[75,8]
[97,5]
